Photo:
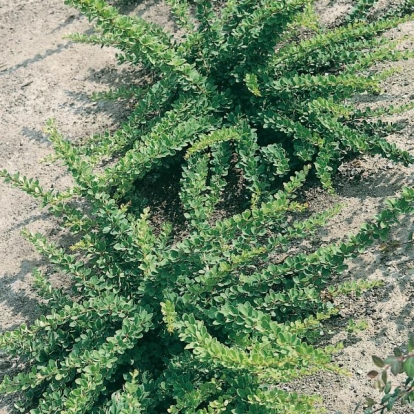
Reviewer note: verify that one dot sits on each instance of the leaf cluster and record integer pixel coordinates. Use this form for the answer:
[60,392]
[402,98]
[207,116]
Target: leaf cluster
[220,318]
[401,362]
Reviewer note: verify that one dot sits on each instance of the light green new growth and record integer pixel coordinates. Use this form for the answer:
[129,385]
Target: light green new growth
[218,310]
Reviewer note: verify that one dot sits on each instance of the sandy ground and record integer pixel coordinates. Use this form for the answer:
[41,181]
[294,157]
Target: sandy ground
[44,76]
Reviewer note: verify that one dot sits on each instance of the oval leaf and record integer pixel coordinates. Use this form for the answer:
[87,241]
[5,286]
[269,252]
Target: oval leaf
[369,402]
[378,361]
[384,376]
[378,385]
[410,345]
[409,367]
[373,374]
[396,367]
[397,352]
[390,360]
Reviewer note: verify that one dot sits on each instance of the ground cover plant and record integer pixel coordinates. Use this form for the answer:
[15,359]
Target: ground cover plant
[218,317]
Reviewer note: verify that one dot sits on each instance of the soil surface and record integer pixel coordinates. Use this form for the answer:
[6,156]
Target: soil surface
[44,76]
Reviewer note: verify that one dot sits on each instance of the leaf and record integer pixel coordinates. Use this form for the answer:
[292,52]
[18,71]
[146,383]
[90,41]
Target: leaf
[410,345]
[396,367]
[378,385]
[369,402]
[384,376]
[409,366]
[373,374]
[397,352]
[378,361]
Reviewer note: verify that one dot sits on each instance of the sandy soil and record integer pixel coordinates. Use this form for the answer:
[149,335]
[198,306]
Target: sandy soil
[44,76]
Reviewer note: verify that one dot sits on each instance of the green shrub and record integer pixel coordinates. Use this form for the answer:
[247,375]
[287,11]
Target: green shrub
[218,317]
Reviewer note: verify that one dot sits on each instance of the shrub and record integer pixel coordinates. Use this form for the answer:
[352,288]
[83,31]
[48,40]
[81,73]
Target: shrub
[219,317]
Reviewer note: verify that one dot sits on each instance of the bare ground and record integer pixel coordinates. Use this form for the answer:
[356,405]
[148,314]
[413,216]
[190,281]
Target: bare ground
[44,76]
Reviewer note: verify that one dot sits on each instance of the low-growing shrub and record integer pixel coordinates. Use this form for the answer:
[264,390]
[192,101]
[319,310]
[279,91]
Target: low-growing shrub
[218,317]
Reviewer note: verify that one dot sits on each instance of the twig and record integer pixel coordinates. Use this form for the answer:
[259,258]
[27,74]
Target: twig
[26,84]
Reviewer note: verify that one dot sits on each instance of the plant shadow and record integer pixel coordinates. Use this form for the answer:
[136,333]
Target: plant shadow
[38,57]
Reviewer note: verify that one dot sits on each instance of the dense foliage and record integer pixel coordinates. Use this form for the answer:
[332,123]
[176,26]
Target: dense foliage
[218,317]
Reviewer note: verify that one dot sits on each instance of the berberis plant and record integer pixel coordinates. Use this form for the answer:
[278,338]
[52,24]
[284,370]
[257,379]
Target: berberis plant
[401,362]
[250,98]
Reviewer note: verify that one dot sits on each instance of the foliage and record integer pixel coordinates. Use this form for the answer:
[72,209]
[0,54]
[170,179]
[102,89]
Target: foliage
[401,362]
[225,72]
[219,317]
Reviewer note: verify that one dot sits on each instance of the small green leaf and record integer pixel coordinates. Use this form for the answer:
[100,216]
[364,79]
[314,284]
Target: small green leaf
[378,385]
[369,402]
[409,367]
[397,352]
[384,376]
[396,367]
[378,361]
